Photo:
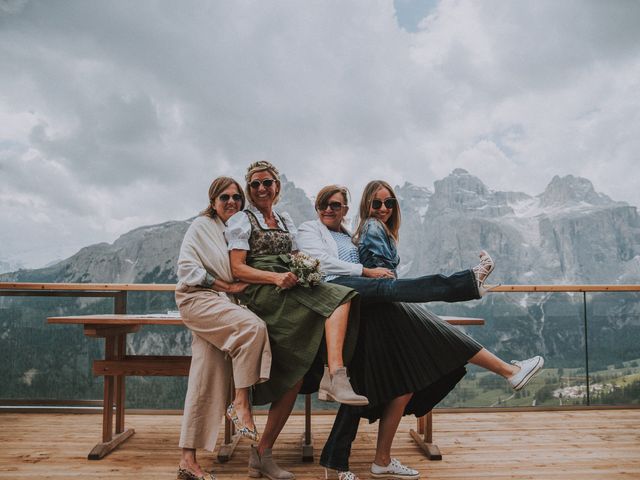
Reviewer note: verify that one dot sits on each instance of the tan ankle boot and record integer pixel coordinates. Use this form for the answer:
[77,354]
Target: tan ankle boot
[337,388]
[265,465]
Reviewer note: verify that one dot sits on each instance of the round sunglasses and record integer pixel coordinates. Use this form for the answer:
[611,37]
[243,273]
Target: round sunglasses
[388,203]
[267,182]
[224,198]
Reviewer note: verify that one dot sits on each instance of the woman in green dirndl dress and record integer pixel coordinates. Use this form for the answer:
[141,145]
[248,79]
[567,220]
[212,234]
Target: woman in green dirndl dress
[260,242]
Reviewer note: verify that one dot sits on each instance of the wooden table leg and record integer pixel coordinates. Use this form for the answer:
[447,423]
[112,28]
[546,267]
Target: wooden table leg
[231,438]
[121,341]
[307,442]
[425,426]
[109,441]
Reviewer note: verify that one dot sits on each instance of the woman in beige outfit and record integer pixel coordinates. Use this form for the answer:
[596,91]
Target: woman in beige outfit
[228,340]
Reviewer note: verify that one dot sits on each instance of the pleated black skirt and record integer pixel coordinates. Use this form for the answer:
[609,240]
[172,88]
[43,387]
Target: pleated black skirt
[404,348]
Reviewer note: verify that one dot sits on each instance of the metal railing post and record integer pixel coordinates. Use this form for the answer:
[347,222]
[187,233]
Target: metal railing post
[586,345]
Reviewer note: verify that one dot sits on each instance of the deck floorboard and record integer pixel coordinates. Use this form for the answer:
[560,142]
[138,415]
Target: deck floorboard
[540,445]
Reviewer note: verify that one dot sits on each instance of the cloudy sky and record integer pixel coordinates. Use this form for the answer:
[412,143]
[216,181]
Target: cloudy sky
[118,114]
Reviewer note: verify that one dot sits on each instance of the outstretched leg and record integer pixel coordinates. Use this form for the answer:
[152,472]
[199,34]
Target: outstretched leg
[518,373]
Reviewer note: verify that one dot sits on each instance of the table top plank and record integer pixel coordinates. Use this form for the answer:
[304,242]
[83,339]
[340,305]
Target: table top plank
[117,319]
[113,319]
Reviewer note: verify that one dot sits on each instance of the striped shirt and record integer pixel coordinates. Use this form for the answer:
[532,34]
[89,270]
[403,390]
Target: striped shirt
[347,251]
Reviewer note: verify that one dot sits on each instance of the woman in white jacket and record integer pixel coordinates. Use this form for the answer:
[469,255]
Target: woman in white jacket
[227,339]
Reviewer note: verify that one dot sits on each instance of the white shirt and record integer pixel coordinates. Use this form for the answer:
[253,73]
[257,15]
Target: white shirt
[239,228]
[315,240]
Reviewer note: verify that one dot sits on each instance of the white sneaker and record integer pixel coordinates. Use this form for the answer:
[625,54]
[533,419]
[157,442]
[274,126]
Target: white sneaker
[340,475]
[528,369]
[394,470]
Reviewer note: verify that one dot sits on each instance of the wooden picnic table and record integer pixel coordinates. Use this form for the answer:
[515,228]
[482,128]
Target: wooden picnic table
[117,365]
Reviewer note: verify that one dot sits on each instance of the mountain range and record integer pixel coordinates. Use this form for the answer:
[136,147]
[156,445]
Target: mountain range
[568,234]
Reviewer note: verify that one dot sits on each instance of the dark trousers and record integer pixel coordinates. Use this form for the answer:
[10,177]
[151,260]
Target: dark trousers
[336,451]
[460,286]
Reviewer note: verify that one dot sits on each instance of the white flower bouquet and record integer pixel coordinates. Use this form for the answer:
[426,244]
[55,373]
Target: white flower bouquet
[306,268]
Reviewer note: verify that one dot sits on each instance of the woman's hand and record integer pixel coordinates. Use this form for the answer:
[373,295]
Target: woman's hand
[237,287]
[378,272]
[285,280]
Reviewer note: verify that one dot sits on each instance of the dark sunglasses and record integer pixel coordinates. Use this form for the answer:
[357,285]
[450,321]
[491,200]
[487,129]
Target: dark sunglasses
[389,203]
[267,182]
[236,197]
[335,206]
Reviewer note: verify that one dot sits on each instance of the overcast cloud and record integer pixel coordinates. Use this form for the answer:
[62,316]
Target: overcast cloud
[118,114]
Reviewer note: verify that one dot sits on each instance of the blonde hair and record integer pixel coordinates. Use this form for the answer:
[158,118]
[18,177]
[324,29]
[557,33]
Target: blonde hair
[216,188]
[262,166]
[392,225]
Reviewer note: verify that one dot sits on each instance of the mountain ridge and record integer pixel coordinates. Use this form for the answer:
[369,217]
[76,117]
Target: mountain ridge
[568,233]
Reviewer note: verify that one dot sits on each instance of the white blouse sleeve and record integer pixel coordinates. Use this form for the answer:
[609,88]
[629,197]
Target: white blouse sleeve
[238,232]
[288,222]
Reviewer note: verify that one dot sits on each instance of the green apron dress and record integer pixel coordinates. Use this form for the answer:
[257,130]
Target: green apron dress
[295,317]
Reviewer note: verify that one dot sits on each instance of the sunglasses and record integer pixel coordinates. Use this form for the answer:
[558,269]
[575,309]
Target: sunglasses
[236,197]
[335,206]
[267,182]
[388,203]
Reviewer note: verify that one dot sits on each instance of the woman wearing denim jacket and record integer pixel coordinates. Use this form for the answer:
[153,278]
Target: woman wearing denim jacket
[392,335]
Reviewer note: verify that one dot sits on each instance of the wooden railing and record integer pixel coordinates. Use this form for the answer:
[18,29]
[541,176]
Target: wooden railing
[118,291]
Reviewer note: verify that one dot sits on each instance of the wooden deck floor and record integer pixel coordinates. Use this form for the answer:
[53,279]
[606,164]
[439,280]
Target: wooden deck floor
[588,444]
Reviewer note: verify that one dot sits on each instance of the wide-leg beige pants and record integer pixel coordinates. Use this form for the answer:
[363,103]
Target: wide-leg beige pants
[227,340]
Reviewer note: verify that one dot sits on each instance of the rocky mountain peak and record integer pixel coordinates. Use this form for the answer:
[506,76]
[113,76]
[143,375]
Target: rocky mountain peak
[295,201]
[462,192]
[567,190]
[413,195]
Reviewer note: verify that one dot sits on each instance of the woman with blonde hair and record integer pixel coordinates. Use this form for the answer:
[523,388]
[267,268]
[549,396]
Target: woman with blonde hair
[228,341]
[298,318]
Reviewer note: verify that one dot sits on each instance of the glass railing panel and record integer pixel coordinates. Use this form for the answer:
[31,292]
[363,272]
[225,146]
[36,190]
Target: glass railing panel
[519,326]
[41,361]
[614,348]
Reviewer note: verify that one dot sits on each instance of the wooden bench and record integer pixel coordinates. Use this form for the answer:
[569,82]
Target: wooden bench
[117,365]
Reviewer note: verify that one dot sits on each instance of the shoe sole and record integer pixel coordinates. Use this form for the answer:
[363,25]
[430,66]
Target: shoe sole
[525,380]
[394,476]
[255,473]
[327,397]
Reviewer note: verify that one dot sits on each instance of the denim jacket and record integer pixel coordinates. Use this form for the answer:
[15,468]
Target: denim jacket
[376,248]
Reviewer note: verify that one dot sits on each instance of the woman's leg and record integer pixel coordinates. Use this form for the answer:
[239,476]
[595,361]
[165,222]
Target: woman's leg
[458,287]
[518,374]
[261,463]
[335,328]
[487,360]
[388,427]
[189,463]
[337,449]
[278,415]
[242,405]
[238,333]
[335,383]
